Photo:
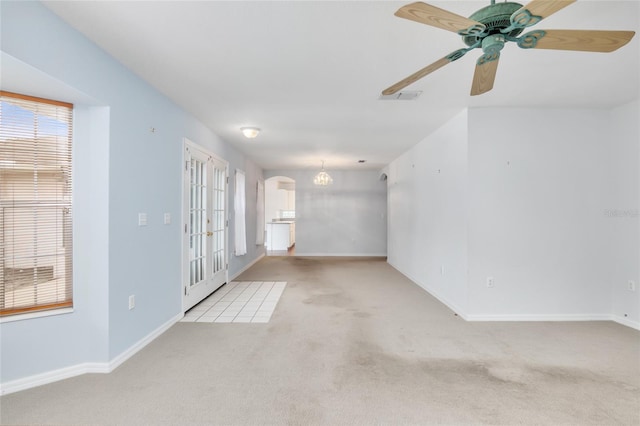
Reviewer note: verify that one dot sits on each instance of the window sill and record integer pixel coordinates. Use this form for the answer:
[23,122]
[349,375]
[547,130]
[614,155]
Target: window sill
[32,315]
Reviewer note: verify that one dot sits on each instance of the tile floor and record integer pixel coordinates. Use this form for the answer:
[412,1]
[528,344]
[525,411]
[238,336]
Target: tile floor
[238,301]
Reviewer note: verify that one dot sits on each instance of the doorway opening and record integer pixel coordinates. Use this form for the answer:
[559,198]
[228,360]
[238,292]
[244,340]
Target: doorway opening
[280,216]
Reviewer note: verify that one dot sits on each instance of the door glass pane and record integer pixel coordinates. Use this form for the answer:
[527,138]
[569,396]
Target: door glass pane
[218,225]
[197,218]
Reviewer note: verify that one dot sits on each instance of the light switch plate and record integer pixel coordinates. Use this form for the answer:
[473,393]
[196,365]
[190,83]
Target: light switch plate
[142,219]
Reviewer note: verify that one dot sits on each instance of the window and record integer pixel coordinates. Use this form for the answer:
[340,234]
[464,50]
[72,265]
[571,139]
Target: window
[35,204]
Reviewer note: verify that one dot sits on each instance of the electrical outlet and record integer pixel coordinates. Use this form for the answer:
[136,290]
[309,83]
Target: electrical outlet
[631,285]
[167,218]
[490,282]
[132,301]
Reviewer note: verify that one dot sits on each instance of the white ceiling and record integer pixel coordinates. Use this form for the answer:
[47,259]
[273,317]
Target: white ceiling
[309,74]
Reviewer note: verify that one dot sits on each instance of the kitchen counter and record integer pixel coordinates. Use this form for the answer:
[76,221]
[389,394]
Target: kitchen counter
[280,235]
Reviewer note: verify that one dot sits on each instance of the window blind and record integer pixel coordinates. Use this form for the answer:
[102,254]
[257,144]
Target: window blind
[35,204]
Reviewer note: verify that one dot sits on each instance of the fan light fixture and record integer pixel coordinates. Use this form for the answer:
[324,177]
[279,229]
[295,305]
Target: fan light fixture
[250,132]
[491,27]
[322,178]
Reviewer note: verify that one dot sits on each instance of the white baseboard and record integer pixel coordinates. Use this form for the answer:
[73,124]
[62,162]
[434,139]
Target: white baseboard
[85,367]
[538,317]
[237,274]
[132,350]
[626,321]
[456,309]
[342,254]
[521,317]
[557,317]
[50,377]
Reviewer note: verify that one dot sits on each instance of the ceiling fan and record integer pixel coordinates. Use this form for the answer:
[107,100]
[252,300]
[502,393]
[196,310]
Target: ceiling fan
[492,26]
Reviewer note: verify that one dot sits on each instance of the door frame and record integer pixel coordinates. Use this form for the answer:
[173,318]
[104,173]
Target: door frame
[184,225]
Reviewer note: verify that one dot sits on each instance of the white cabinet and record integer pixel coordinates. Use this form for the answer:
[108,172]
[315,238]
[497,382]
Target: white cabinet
[280,235]
[292,234]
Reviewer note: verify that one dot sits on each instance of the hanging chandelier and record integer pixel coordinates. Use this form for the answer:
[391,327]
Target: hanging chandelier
[322,178]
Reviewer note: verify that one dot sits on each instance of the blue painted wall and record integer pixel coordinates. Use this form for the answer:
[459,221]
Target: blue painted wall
[121,169]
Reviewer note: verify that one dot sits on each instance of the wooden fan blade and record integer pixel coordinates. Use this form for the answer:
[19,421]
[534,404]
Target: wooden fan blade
[416,76]
[584,40]
[545,8]
[440,18]
[484,76]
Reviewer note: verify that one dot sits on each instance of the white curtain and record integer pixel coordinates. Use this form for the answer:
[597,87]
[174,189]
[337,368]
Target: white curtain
[239,207]
[260,213]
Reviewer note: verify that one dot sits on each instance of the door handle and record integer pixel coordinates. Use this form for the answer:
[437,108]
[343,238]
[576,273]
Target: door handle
[209,233]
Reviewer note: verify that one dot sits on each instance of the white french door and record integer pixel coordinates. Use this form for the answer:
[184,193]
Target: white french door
[205,224]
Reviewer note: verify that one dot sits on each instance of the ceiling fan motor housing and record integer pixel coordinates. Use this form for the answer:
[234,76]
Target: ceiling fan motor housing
[495,17]
[493,43]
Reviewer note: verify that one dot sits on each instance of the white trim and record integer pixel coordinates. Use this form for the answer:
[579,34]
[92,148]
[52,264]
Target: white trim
[50,377]
[341,254]
[522,317]
[626,322]
[133,349]
[237,274]
[538,317]
[32,315]
[556,318]
[455,308]
[85,367]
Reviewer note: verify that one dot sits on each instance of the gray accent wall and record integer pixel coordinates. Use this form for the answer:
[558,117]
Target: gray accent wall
[346,218]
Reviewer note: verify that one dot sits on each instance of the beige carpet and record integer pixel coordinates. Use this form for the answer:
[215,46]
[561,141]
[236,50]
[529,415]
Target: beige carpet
[353,342]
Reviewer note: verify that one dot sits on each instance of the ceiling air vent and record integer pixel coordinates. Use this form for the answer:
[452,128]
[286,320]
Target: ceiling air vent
[406,95]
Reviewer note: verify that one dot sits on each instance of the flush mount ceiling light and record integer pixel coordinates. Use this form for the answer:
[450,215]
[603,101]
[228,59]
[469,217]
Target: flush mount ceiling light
[250,132]
[322,178]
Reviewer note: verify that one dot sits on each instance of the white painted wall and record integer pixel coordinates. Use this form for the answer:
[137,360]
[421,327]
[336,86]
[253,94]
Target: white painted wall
[623,204]
[427,202]
[524,196]
[345,218]
[537,181]
[253,173]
